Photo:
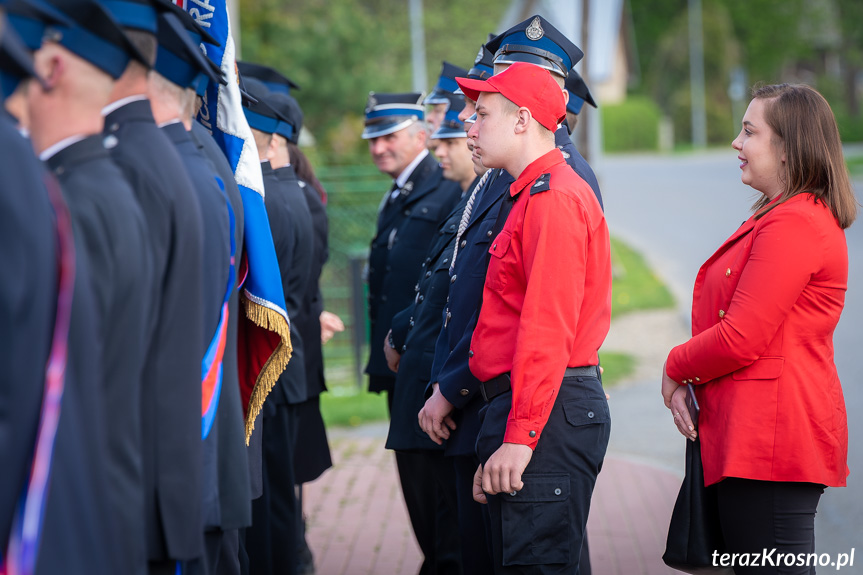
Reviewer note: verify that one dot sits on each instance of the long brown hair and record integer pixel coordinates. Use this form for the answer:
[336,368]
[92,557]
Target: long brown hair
[804,123]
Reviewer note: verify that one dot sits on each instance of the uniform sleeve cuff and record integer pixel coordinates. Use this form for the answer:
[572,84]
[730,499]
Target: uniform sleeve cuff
[522,432]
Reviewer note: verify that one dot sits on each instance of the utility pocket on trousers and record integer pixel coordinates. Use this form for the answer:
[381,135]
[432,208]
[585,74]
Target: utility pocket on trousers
[536,521]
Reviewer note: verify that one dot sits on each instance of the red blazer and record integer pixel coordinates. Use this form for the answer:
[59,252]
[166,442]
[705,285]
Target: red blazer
[764,310]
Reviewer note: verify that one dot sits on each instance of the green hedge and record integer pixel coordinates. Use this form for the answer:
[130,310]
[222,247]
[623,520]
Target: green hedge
[632,125]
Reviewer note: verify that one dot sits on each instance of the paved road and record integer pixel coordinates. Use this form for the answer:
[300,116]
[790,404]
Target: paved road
[678,210]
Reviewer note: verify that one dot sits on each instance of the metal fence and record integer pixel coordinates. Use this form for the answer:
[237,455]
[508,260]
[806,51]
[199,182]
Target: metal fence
[354,193]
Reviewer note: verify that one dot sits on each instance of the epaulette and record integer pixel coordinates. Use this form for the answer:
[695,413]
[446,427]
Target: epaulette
[542,184]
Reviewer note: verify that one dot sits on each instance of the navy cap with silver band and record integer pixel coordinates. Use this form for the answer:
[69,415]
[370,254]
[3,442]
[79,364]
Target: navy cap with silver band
[388,113]
[290,110]
[446,85]
[483,65]
[94,36]
[271,78]
[578,93]
[536,41]
[451,126]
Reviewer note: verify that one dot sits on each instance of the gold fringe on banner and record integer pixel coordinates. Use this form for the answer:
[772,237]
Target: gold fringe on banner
[273,321]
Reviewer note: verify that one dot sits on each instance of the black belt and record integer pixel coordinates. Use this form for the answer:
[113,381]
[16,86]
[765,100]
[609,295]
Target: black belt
[501,384]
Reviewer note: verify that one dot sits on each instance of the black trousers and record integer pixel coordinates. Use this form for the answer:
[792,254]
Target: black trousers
[759,516]
[473,523]
[541,528]
[271,541]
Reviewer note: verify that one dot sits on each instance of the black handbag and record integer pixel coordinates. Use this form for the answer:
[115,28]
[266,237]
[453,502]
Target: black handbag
[694,532]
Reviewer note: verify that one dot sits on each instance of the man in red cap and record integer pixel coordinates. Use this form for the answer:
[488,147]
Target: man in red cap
[545,312]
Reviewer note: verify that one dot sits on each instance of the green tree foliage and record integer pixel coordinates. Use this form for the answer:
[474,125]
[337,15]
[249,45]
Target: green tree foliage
[339,50]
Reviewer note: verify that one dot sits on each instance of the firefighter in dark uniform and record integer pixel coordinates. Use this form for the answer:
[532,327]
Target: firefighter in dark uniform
[544,315]
[408,221]
[171,399]
[274,536]
[48,329]
[442,96]
[179,66]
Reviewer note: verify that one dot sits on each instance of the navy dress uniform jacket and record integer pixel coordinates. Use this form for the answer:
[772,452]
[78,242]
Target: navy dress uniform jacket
[291,225]
[172,370]
[415,332]
[110,225]
[234,482]
[215,271]
[405,230]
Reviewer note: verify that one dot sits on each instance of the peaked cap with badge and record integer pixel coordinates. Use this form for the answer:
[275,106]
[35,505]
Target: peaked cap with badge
[446,87]
[536,41]
[388,113]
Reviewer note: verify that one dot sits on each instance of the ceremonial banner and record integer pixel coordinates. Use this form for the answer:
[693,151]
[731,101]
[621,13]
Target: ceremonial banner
[263,338]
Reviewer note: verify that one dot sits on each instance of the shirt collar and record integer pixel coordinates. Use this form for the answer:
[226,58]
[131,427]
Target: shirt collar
[52,151]
[535,169]
[114,106]
[406,173]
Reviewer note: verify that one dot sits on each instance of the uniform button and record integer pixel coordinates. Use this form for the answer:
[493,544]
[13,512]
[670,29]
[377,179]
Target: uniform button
[464,392]
[512,493]
[384,297]
[407,212]
[421,297]
[428,260]
[404,348]
[532,433]
[463,243]
[470,353]
[114,127]
[412,322]
[428,274]
[488,233]
[557,491]
[446,260]
[452,227]
[728,272]
[721,314]
[590,414]
[416,288]
[425,210]
[697,379]
[452,280]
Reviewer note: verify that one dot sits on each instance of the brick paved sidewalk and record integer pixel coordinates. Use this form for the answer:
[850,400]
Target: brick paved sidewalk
[358,525]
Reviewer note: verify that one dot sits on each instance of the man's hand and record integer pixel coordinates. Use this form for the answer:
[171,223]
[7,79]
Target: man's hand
[330,324]
[478,494]
[393,357]
[434,417]
[502,472]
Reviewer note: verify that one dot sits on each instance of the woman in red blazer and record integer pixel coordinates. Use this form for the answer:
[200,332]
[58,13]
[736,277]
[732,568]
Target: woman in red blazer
[772,424]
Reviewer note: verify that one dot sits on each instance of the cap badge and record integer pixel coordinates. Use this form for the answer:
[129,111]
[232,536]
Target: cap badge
[478,56]
[372,101]
[535,31]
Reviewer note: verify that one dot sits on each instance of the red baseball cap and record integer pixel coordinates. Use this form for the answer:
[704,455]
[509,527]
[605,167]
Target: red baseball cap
[525,85]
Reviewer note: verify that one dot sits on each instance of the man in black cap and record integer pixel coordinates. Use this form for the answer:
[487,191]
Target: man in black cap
[79,64]
[272,541]
[171,400]
[47,325]
[179,66]
[408,220]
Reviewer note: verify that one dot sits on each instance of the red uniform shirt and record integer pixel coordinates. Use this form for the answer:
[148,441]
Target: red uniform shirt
[547,295]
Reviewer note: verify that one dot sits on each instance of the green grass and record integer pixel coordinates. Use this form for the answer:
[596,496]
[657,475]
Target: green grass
[346,406]
[855,165]
[615,366]
[634,286]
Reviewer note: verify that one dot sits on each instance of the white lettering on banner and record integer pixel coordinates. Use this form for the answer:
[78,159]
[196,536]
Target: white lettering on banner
[771,558]
[203,17]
